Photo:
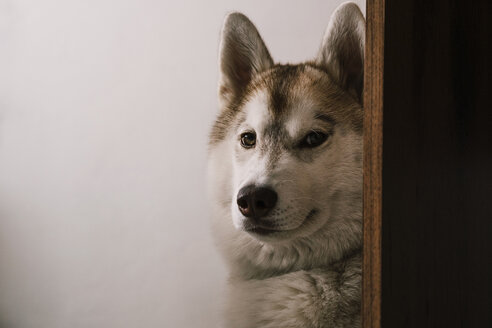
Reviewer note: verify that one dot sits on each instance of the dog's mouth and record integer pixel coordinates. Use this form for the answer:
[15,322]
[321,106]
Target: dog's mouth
[264,230]
[261,231]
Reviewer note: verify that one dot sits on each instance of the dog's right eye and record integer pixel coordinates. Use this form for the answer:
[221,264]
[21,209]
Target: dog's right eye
[313,139]
[248,140]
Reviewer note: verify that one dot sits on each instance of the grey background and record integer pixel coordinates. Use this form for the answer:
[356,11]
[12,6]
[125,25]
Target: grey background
[105,107]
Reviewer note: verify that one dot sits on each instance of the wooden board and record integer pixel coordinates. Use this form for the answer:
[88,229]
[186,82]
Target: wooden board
[437,165]
[373,138]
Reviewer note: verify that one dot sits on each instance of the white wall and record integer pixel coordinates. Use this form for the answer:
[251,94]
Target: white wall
[105,106]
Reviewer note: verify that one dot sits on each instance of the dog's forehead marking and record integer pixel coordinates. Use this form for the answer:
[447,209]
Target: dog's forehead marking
[289,101]
[274,96]
[257,115]
[300,116]
[305,82]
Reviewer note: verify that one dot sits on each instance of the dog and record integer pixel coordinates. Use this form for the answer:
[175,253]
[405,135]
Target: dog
[285,177]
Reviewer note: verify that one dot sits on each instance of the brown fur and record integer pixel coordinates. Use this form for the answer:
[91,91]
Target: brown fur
[285,82]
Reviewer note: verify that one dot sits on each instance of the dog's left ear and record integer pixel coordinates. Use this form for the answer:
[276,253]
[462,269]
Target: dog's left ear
[243,54]
[342,49]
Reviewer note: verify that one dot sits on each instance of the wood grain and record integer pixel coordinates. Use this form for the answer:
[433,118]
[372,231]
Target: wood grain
[373,139]
[436,264]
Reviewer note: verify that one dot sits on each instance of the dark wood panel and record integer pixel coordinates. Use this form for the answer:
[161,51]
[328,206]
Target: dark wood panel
[437,165]
[373,117]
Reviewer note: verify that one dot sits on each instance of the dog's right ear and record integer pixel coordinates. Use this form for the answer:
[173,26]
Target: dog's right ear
[342,50]
[242,55]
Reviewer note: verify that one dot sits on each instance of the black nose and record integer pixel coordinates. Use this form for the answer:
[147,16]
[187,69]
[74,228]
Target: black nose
[256,201]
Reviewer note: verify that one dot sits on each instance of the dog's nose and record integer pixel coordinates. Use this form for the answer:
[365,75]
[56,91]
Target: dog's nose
[256,201]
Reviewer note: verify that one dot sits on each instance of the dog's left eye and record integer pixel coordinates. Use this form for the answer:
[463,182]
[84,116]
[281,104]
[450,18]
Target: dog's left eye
[313,139]
[248,140]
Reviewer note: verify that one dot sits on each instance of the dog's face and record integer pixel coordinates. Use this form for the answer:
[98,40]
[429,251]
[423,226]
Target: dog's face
[292,134]
[297,147]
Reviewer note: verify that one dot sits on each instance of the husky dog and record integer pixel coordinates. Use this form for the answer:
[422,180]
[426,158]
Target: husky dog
[285,177]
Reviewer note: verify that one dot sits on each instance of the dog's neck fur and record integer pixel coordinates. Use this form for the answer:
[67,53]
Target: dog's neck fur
[260,260]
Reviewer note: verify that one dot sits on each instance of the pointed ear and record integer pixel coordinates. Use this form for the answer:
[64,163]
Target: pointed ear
[342,49]
[242,55]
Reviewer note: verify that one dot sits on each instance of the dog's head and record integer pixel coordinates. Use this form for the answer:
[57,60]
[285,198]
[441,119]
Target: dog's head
[286,149]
